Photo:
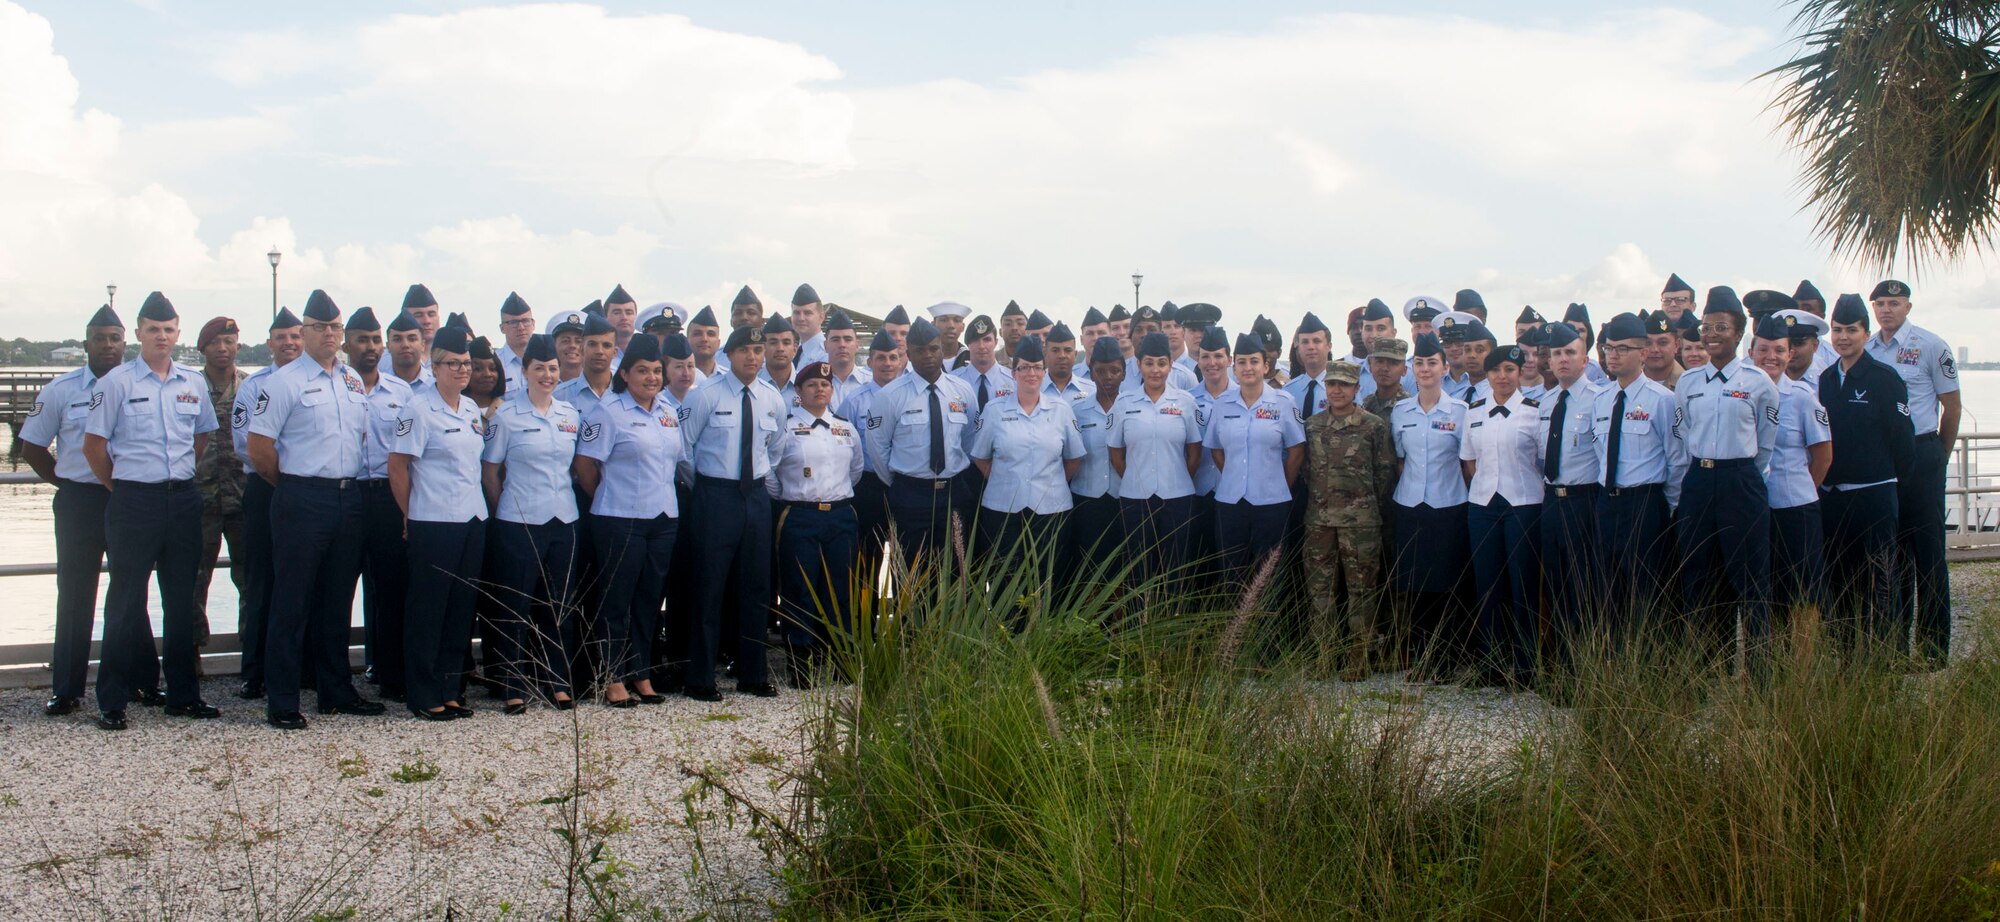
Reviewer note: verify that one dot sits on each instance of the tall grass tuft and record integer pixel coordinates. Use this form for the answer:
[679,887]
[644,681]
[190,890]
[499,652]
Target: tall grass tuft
[1077,762]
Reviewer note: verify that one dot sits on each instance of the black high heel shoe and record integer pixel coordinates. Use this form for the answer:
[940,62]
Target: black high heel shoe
[515,710]
[564,704]
[443,715]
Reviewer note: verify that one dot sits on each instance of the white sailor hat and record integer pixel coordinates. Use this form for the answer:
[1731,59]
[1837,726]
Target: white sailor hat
[949,309]
[1434,305]
[571,319]
[1451,319]
[1806,319]
[656,311]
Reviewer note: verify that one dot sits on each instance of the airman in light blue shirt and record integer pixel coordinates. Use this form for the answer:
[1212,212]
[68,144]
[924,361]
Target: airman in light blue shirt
[713,426]
[1154,435]
[149,422]
[1253,439]
[444,445]
[899,426]
[59,415]
[318,417]
[536,449]
[1027,449]
[1428,441]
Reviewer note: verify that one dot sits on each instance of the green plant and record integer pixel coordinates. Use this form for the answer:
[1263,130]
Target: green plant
[415,772]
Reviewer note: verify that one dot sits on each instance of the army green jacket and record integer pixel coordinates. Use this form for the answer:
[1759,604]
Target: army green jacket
[1350,469]
[219,471]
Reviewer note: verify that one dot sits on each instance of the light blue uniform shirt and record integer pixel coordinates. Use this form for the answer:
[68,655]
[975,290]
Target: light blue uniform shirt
[1302,387]
[810,351]
[510,362]
[1428,443]
[999,382]
[1075,389]
[1727,412]
[1095,477]
[1802,423]
[577,393]
[57,419]
[1580,446]
[535,449]
[1924,360]
[1206,474]
[248,398]
[318,417]
[1179,377]
[1594,373]
[713,427]
[443,445]
[853,407]
[1027,451]
[1649,444]
[899,431]
[1253,441]
[637,450]
[788,393]
[150,422]
[819,459]
[385,405]
[1155,436]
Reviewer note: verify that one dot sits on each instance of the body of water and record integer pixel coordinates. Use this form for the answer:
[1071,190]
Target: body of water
[27,535]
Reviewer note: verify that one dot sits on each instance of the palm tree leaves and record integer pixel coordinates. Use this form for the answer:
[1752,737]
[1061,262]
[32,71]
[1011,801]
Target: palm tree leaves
[1895,105]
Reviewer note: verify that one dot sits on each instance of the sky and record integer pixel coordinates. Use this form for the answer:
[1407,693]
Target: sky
[1266,156]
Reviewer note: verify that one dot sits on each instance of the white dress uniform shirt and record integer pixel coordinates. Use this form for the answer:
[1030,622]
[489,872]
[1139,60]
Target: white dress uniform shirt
[713,428]
[1580,447]
[150,422]
[1802,423]
[637,449]
[1253,440]
[444,446]
[1503,440]
[249,393]
[57,420]
[1727,412]
[578,393]
[1924,360]
[385,405]
[1095,477]
[1428,442]
[1207,474]
[999,382]
[1650,447]
[1178,377]
[819,459]
[1027,450]
[535,449]
[899,433]
[1155,435]
[853,407]
[318,417]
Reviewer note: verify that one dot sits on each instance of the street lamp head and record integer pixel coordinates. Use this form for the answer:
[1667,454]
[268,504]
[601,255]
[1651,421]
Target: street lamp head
[274,254]
[1136,277]
[111,290]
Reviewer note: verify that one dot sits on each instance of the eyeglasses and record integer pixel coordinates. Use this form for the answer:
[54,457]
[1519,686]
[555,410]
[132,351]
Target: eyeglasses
[518,322]
[1718,327]
[457,365]
[1623,350]
[1677,299]
[326,327]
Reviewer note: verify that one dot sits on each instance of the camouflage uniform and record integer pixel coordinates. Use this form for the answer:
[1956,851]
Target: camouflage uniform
[1350,472]
[219,475]
[1382,403]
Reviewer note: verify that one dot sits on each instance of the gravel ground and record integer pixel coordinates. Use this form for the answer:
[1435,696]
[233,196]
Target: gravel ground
[393,818]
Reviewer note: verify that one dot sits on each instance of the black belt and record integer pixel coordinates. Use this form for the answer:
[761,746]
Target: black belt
[66,483]
[1723,463]
[1568,490]
[821,507]
[704,480]
[375,483]
[332,483]
[1637,489]
[164,486]
[1933,436]
[939,483]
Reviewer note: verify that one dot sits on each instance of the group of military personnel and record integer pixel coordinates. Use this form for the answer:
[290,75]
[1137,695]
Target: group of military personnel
[1642,475]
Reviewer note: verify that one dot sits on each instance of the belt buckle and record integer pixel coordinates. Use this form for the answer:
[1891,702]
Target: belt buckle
[1707,463]
[825,507]
[940,484]
[1562,492]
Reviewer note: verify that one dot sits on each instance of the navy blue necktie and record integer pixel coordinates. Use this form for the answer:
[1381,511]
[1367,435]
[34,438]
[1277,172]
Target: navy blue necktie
[937,435]
[744,466]
[1611,450]
[1553,455]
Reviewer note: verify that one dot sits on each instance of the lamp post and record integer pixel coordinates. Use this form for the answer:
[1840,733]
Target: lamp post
[111,296]
[1136,277]
[273,255]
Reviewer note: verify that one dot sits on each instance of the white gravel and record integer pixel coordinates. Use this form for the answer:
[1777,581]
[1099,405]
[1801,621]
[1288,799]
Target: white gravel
[179,819]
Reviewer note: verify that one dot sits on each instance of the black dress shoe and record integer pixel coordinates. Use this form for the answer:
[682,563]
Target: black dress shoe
[251,690]
[629,701]
[446,714]
[760,689]
[150,697]
[703,693]
[197,709]
[460,710]
[514,710]
[645,698]
[359,707]
[372,677]
[111,720]
[288,720]
[59,705]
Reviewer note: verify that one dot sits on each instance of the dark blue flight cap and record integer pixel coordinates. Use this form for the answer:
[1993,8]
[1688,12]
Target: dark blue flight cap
[458,320]
[618,296]
[1029,349]
[1153,345]
[1038,320]
[364,319]
[1426,344]
[1770,327]
[594,307]
[513,306]
[1889,289]
[1467,300]
[643,349]
[541,348]
[1376,310]
[1106,351]
[743,297]
[1849,310]
[418,296]
[1118,313]
[921,333]
[837,319]
[105,317]
[1626,326]
[157,308]
[676,347]
[1060,333]
[1722,300]
[1557,335]
[453,340]
[1249,344]
[897,315]
[1808,292]
[704,318]
[403,323]
[1170,313]
[285,319]
[1214,339]
[776,323]
[804,294]
[1310,324]
[1530,315]
[884,341]
[1674,283]
[596,325]
[1093,317]
[1013,309]
[1577,313]
[320,307]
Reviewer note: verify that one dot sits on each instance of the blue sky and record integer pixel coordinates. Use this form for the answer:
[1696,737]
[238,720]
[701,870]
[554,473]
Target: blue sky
[1270,157]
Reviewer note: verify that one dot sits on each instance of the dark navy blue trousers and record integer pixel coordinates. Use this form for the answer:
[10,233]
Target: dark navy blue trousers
[735,553]
[253,560]
[437,625]
[1157,532]
[151,530]
[1798,558]
[385,583]
[634,559]
[1637,555]
[816,556]
[317,530]
[1504,550]
[1093,538]
[79,521]
[1862,557]
[1245,534]
[1922,576]
[1570,570]
[1725,534]
[923,512]
[538,635]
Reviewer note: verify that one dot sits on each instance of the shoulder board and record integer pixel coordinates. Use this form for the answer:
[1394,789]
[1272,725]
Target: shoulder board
[1530,401]
[832,415]
[1477,403]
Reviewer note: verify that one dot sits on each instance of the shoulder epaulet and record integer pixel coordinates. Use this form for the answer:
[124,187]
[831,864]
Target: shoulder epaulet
[1476,403]
[840,417]
[1530,401]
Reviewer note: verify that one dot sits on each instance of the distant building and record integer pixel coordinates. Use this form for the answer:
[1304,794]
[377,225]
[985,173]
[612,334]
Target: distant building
[66,354]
